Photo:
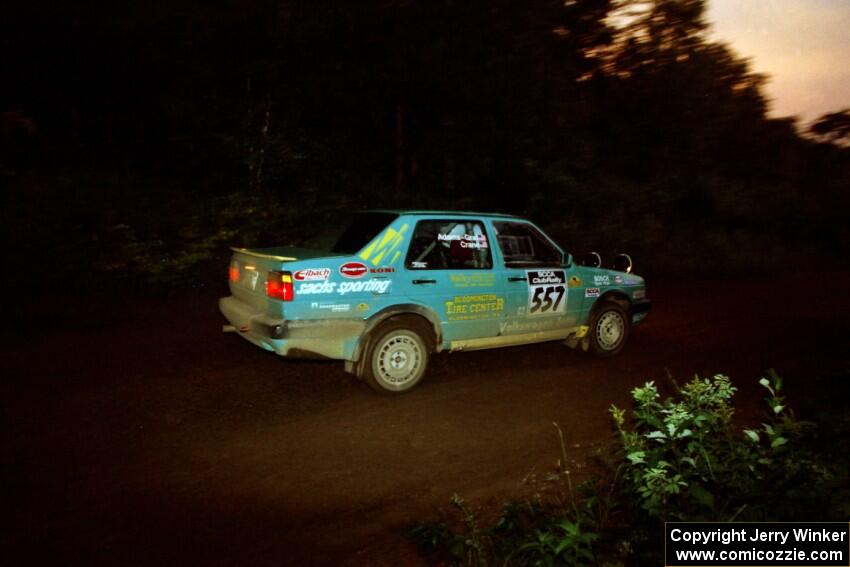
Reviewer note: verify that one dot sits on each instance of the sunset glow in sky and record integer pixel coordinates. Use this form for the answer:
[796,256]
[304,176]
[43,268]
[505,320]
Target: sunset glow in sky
[804,45]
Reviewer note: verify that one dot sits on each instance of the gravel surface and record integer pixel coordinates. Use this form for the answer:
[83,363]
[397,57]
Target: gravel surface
[156,439]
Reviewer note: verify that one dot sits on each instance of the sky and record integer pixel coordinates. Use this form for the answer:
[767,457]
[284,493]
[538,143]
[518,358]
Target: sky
[804,45]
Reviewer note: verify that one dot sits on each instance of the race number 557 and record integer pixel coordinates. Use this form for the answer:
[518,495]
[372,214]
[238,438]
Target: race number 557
[547,292]
[542,300]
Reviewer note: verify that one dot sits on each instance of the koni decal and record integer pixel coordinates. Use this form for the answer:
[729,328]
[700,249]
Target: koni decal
[472,307]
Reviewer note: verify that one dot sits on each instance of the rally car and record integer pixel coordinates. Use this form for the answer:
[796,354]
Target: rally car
[400,285]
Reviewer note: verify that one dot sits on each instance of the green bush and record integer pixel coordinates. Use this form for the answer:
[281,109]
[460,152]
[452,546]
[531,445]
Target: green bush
[687,460]
[679,458]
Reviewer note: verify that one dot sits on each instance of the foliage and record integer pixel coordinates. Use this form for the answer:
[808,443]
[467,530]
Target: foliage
[679,458]
[526,533]
[558,525]
[833,126]
[687,460]
[619,123]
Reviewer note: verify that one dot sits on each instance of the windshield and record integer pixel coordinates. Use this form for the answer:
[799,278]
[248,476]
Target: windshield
[360,230]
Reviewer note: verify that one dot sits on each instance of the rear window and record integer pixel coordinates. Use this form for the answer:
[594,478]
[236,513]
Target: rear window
[361,229]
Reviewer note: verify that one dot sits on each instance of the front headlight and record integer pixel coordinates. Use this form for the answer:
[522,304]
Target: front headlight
[639,294]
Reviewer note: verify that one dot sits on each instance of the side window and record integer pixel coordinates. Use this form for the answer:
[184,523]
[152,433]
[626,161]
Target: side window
[449,245]
[523,245]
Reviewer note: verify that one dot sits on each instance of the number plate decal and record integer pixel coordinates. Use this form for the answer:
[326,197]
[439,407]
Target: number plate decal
[547,292]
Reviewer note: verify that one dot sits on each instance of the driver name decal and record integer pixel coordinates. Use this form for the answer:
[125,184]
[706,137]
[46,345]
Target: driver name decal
[547,292]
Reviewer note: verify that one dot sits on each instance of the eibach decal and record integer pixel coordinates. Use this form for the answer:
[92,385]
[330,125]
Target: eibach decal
[312,274]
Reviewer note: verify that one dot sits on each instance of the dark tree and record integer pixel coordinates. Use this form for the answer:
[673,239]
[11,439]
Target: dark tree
[833,127]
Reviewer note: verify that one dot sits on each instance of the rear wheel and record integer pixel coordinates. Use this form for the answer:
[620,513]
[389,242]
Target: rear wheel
[609,329]
[397,357]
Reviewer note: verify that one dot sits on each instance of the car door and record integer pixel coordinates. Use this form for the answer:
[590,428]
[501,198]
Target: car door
[541,294]
[449,269]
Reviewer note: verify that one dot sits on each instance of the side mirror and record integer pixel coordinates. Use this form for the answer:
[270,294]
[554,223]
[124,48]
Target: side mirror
[592,260]
[623,263]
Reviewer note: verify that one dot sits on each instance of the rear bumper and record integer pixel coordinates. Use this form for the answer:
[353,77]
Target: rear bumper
[313,338]
[258,328]
[640,309]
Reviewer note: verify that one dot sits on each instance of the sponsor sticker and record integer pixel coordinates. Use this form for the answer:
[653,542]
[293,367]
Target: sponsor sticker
[471,307]
[353,270]
[601,280]
[312,274]
[591,292]
[547,292]
[333,307]
[343,288]
[618,279]
[382,270]
[528,326]
[418,265]
[473,280]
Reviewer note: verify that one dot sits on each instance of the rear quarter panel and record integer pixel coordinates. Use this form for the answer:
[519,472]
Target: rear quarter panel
[356,286]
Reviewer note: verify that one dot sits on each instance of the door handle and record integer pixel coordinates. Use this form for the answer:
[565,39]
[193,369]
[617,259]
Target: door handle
[516,279]
[420,282]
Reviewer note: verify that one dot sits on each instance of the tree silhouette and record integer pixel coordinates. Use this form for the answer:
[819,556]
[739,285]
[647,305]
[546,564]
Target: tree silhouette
[833,127]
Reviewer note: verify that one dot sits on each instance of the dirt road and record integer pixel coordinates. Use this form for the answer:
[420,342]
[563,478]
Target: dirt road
[159,440]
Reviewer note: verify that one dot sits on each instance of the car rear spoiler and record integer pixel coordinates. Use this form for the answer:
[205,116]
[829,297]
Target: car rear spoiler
[264,256]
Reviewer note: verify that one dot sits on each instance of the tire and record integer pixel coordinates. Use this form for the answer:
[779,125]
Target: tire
[397,358]
[609,329]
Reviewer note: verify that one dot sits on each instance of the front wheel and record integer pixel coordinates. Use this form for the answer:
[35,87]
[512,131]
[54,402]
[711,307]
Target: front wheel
[609,329]
[397,358]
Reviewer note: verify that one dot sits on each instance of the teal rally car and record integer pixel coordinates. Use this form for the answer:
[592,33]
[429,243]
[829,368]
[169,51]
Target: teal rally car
[400,285]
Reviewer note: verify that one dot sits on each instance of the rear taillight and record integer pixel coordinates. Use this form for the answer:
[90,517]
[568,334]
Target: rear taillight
[233,272]
[279,286]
